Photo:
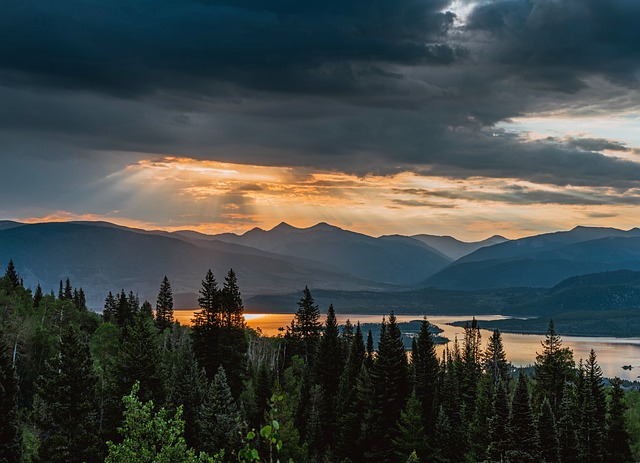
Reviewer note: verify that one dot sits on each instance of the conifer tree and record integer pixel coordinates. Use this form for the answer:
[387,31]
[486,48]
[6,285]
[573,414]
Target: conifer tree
[188,385]
[554,367]
[592,432]
[11,276]
[218,421]
[426,369]
[471,368]
[164,305]
[494,359]
[209,303]
[125,316]
[68,291]
[10,433]
[548,434]
[618,449]
[567,426]
[499,426]
[478,437]
[232,305]
[146,310]
[444,448]
[390,381]
[369,355]
[306,328]
[61,292]
[110,309]
[522,431]
[139,360]
[65,406]
[37,296]
[348,407]
[411,434]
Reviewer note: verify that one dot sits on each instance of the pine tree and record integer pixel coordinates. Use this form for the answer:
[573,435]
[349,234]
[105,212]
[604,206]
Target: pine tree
[66,404]
[139,360]
[548,434]
[147,310]
[494,359]
[68,291]
[188,385]
[567,424]
[11,277]
[554,367]
[478,437]
[592,432]
[124,315]
[390,380]
[618,449]
[164,305]
[37,296]
[522,430]
[218,420]
[471,367]
[10,433]
[499,425]
[349,411]
[426,369]
[411,434]
[110,309]
[209,303]
[233,308]
[444,448]
[306,328]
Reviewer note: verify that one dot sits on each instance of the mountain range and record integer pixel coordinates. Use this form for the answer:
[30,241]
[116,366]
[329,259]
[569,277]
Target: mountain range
[102,257]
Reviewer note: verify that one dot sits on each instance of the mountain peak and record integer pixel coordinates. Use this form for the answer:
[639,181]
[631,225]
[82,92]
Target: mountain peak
[283,226]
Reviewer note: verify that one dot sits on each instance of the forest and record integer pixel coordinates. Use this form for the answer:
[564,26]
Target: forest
[132,385]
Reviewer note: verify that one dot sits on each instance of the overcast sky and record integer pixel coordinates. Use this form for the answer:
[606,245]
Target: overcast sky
[466,118]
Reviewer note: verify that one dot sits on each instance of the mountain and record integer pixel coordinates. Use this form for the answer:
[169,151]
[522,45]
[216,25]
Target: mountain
[385,260]
[7,224]
[455,249]
[102,258]
[543,260]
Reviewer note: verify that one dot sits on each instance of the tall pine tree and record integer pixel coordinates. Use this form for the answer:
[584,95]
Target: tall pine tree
[164,305]
[10,435]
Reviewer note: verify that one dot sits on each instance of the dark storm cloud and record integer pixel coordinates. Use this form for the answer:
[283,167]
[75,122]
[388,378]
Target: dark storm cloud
[559,43]
[357,86]
[130,48]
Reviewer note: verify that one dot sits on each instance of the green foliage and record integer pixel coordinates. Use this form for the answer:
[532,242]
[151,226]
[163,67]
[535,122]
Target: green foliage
[164,305]
[548,434]
[10,429]
[554,367]
[411,437]
[618,448]
[424,363]
[65,406]
[304,333]
[523,446]
[150,436]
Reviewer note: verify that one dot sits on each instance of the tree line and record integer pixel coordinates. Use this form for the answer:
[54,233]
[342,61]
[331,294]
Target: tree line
[132,385]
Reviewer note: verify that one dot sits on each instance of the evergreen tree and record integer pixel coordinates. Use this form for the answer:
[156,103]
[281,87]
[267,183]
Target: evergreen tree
[140,360]
[494,358]
[349,409]
[411,434]
[444,440]
[233,308]
[65,406]
[499,426]
[110,309]
[188,385]
[554,367]
[471,368]
[426,369]
[522,430]
[369,356]
[125,316]
[592,432]
[37,296]
[478,437]
[164,305]
[618,449]
[218,421]
[61,292]
[11,277]
[146,310]
[209,303]
[219,336]
[327,370]
[567,426]
[68,291]
[548,434]
[10,433]
[390,381]
[306,328]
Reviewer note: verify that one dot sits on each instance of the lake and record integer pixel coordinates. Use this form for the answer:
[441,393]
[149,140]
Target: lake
[521,349]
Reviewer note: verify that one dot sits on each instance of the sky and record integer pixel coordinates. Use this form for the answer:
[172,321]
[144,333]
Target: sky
[466,118]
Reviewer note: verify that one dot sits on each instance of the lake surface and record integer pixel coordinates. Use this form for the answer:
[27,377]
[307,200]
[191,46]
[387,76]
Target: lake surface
[521,349]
